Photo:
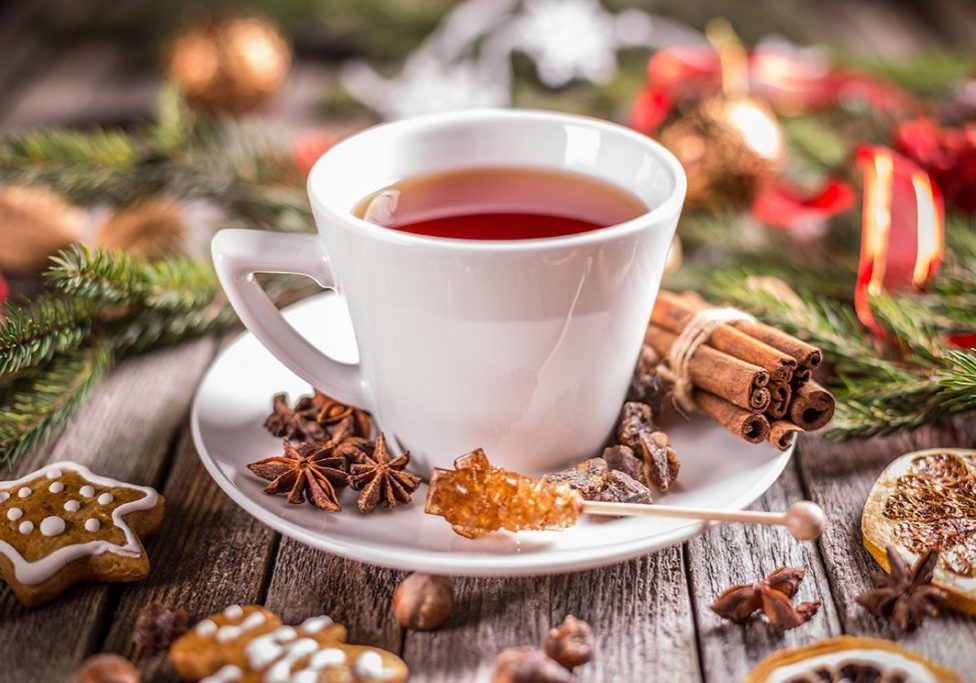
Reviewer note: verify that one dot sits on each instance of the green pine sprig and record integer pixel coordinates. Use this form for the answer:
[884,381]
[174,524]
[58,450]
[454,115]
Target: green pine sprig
[41,401]
[113,278]
[33,333]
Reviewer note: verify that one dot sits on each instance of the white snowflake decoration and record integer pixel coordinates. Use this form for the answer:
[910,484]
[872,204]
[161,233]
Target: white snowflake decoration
[467,61]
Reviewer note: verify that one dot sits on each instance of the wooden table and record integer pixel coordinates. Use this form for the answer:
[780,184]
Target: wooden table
[650,615]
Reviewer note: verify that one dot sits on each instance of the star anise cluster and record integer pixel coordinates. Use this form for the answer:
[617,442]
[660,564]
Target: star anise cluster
[773,596]
[905,596]
[313,418]
[326,447]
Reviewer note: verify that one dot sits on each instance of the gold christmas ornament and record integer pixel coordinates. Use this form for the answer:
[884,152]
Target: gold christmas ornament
[730,144]
[229,63]
[151,228]
[34,224]
[728,149]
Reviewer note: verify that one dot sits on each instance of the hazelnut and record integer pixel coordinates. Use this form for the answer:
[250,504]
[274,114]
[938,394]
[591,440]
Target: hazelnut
[571,643]
[106,668]
[423,602]
[529,665]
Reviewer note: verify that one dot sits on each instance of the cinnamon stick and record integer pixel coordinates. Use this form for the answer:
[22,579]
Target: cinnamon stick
[730,378]
[808,357]
[779,403]
[782,433]
[673,313]
[752,427]
[812,406]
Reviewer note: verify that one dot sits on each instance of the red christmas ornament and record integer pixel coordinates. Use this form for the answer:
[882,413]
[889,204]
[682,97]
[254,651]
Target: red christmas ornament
[948,154]
[902,228]
[306,150]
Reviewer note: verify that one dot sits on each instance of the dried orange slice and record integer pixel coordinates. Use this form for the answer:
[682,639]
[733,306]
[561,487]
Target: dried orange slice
[925,499]
[847,658]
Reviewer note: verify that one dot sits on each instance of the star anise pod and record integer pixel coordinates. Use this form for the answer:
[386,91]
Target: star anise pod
[288,423]
[328,412]
[309,472]
[382,480]
[906,595]
[773,595]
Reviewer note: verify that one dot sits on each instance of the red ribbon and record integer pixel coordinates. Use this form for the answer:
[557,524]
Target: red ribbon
[902,228]
[784,205]
[787,79]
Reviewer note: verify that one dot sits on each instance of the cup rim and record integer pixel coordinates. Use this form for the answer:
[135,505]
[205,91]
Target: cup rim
[671,206]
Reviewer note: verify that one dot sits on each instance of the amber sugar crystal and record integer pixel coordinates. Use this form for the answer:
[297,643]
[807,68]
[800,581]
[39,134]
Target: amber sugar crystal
[478,498]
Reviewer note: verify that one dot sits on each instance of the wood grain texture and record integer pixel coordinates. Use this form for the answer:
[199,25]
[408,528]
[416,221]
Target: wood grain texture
[731,554]
[208,554]
[839,477]
[641,615]
[124,431]
[639,611]
[307,582]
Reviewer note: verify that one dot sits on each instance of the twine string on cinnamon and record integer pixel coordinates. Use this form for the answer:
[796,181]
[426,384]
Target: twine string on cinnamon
[675,368]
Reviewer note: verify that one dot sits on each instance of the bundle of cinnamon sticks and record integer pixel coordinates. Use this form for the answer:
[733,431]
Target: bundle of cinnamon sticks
[755,380]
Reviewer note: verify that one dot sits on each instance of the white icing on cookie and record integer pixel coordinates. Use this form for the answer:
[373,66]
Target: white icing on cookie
[316,624]
[369,665]
[234,612]
[4,496]
[92,525]
[226,674]
[24,491]
[106,499]
[280,671]
[26,527]
[13,514]
[254,619]
[206,628]
[330,656]
[33,573]
[56,487]
[72,506]
[52,526]
[228,633]
[265,649]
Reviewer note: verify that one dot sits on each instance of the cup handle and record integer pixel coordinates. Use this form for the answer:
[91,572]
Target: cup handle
[237,256]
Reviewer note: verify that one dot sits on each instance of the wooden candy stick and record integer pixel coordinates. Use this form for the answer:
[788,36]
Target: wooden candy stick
[805,520]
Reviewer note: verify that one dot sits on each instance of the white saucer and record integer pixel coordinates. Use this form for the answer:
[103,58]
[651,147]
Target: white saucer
[717,470]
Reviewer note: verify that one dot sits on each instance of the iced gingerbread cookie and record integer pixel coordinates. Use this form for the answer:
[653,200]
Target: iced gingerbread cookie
[62,524]
[249,644]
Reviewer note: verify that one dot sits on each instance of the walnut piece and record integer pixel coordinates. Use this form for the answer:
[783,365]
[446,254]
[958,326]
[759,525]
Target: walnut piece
[422,602]
[159,625]
[622,488]
[622,458]
[589,477]
[529,665]
[571,643]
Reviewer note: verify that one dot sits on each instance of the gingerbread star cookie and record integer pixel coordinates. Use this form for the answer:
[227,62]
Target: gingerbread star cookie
[62,524]
[249,644]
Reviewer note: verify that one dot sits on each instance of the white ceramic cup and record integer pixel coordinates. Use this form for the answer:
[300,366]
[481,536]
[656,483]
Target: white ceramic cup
[524,348]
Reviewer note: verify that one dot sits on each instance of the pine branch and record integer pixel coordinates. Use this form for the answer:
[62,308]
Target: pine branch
[959,381]
[113,278]
[31,334]
[42,401]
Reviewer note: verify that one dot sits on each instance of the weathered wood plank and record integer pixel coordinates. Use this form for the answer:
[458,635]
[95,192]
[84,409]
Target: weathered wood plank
[839,477]
[308,582]
[489,615]
[734,554]
[639,610]
[124,431]
[209,554]
[641,616]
